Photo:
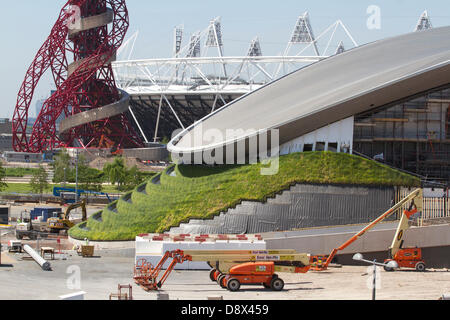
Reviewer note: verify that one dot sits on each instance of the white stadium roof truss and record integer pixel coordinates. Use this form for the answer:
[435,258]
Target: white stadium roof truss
[192,72]
[187,72]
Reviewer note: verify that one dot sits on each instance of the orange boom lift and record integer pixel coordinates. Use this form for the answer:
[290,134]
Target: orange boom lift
[231,268]
[404,257]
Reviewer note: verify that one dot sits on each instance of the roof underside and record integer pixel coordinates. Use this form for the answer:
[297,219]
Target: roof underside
[341,86]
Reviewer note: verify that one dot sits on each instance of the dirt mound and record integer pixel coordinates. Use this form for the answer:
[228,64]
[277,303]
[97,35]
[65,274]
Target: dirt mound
[99,163]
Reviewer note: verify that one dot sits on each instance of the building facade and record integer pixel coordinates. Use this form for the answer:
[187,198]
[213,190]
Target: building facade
[412,134]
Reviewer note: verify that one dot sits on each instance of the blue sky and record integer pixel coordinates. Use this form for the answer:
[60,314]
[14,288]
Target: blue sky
[25,25]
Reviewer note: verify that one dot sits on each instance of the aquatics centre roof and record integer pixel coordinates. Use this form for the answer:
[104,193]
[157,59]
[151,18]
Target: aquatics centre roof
[330,90]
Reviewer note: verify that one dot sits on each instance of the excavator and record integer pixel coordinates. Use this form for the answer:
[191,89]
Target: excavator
[405,258]
[63,223]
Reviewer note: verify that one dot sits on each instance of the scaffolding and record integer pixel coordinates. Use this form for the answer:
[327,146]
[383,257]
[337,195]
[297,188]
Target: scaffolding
[412,134]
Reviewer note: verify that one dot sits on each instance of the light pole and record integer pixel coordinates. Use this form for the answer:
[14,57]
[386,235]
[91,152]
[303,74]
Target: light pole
[391,264]
[65,169]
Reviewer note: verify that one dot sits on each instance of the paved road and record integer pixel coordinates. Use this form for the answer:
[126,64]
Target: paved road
[100,276]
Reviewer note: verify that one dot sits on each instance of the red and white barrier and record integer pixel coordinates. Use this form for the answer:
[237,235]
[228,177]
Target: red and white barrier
[152,247]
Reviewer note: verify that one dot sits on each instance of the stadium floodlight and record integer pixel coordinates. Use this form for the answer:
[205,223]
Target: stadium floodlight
[194,46]
[340,48]
[178,38]
[255,48]
[214,34]
[303,33]
[424,22]
[214,39]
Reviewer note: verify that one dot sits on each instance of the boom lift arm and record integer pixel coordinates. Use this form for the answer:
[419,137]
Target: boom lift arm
[290,261]
[397,243]
[406,257]
[147,276]
[398,206]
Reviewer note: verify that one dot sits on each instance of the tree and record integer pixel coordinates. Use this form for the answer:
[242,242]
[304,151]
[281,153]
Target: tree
[89,178]
[133,178]
[62,168]
[125,178]
[3,184]
[39,181]
[116,172]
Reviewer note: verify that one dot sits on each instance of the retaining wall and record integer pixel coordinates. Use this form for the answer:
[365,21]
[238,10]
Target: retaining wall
[435,240]
[303,206]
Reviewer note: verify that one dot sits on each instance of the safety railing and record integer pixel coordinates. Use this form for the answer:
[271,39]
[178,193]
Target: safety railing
[433,208]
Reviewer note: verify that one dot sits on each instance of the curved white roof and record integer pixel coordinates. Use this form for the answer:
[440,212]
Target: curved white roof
[330,90]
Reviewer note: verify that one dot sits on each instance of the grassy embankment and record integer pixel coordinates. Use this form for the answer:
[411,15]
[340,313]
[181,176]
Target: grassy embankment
[20,172]
[200,192]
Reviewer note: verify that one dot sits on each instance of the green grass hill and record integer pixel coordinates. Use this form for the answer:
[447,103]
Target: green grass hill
[185,192]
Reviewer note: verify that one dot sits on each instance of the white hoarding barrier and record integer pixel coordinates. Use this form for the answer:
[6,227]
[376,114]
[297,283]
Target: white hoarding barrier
[151,248]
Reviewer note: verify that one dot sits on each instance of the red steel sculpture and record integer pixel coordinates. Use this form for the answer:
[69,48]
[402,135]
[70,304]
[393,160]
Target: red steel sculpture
[86,97]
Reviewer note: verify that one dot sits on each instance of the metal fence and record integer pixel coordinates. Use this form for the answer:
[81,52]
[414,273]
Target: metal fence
[433,208]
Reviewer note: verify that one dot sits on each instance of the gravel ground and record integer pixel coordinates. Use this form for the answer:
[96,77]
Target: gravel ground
[99,276]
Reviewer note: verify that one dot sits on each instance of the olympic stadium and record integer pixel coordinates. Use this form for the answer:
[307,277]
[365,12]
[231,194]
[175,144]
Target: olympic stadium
[173,93]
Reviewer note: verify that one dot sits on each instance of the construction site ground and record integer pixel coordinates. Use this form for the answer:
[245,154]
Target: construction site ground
[23,279]
[18,210]
[100,275]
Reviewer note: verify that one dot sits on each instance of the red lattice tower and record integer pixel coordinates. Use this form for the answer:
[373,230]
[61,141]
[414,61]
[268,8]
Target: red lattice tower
[86,96]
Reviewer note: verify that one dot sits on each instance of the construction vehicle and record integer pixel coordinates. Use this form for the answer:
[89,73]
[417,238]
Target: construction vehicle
[231,269]
[31,229]
[404,257]
[36,229]
[252,273]
[63,223]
